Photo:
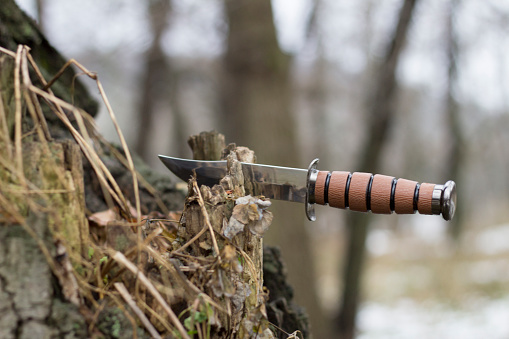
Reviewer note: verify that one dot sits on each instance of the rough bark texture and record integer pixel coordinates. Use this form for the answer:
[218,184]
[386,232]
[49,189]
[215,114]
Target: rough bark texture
[269,268]
[33,302]
[246,283]
[18,28]
[207,145]
[380,114]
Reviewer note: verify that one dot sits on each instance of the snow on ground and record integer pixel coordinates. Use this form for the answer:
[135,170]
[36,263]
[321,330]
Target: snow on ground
[437,294]
[408,319]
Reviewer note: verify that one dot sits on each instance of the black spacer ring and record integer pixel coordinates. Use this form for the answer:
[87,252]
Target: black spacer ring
[393,193]
[347,190]
[368,193]
[416,196]
[326,191]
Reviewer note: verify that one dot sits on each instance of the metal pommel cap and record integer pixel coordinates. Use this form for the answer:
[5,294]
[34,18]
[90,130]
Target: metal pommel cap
[444,200]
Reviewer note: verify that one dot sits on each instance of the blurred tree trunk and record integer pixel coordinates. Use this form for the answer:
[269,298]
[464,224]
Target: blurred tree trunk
[381,101]
[317,89]
[257,98]
[40,14]
[159,86]
[455,135]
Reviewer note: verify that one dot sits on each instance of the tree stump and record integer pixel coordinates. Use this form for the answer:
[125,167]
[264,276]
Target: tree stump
[226,216]
[238,223]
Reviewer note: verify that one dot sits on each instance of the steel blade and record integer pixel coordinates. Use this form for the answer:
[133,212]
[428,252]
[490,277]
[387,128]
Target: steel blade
[274,182]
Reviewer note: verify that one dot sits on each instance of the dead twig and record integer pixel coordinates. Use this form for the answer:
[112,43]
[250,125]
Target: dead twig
[193,239]
[113,118]
[121,259]
[173,268]
[132,304]
[17,113]
[206,218]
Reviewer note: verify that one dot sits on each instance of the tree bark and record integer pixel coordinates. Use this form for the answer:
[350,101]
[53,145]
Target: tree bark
[281,310]
[34,294]
[248,297]
[156,82]
[380,114]
[207,145]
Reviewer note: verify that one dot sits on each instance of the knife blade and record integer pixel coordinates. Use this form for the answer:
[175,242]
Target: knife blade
[358,191]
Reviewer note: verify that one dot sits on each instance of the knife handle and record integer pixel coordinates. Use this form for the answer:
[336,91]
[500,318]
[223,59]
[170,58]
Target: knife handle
[383,194]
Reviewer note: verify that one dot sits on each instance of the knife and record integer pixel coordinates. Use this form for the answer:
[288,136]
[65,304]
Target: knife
[358,191]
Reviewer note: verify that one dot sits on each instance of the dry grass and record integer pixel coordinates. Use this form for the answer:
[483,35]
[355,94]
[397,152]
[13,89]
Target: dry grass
[105,273]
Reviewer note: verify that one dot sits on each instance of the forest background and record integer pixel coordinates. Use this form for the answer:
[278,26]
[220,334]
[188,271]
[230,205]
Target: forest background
[295,80]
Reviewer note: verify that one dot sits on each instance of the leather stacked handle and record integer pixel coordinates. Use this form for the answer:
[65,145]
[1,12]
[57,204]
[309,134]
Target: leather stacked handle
[383,194]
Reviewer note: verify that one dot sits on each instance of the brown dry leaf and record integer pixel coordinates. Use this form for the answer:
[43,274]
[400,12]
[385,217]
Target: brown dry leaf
[205,245]
[256,325]
[253,212]
[259,227]
[103,218]
[242,291]
[241,213]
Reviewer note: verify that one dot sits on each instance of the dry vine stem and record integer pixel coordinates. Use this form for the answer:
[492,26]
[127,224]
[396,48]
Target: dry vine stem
[120,258]
[17,116]
[207,220]
[11,160]
[130,301]
[113,119]
[87,149]
[81,139]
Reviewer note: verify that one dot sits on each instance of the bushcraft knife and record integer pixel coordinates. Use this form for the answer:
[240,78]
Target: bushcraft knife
[356,191]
